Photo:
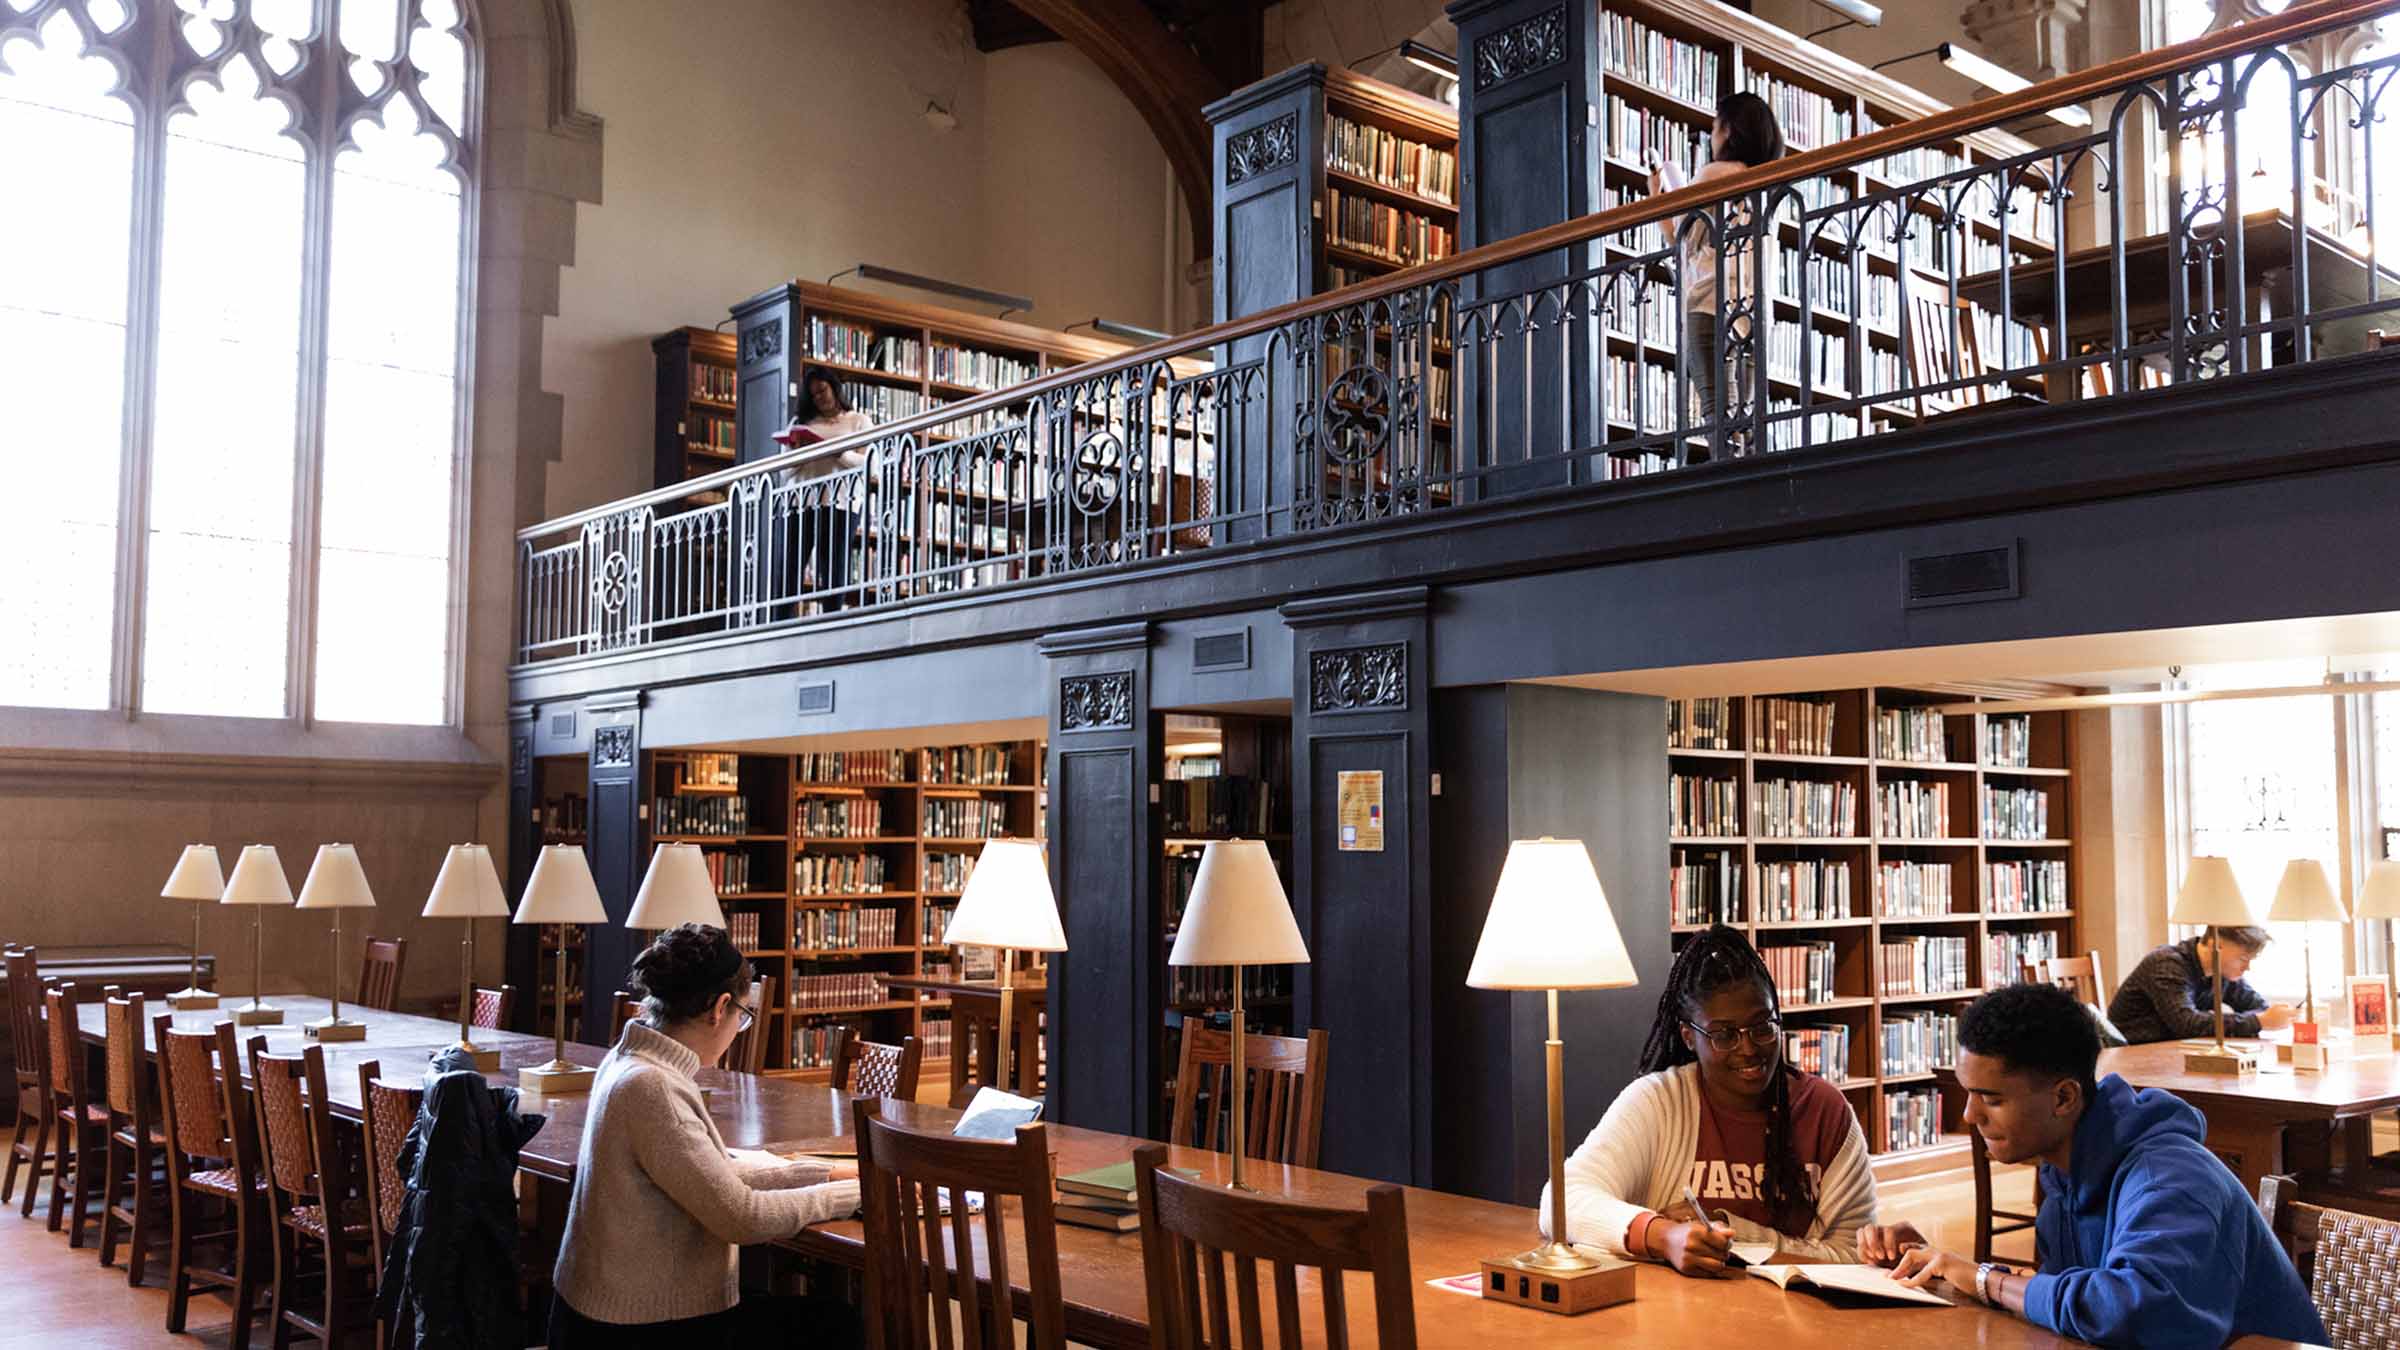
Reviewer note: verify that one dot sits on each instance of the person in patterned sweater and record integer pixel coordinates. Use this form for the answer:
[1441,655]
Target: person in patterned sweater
[2167,997]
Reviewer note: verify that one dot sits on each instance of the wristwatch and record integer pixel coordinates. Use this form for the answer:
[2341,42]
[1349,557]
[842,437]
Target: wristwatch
[1983,1281]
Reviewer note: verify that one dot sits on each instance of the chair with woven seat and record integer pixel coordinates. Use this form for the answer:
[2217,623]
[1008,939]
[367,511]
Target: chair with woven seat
[1284,1096]
[132,1200]
[2350,1262]
[870,1069]
[29,1142]
[216,1195]
[319,1221]
[81,1123]
[1190,1227]
[748,1052]
[493,1007]
[913,1276]
[387,1109]
[379,973]
[624,1006]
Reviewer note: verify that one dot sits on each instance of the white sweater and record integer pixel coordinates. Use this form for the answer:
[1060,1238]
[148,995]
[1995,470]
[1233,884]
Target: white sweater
[659,1209]
[1639,1154]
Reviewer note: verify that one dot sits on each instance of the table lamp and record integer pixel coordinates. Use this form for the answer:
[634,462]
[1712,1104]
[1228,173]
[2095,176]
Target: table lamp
[198,876]
[2379,898]
[336,882]
[468,887]
[2305,897]
[2212,897]
[1007,905]
[1237,916]
[258,881]
[676,891]
[1549,929]
[561,892]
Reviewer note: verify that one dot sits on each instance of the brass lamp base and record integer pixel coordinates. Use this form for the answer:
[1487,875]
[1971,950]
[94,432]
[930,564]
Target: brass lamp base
[556,1078]
[330,1029]
[258,1015]
[2219,1059]
[190,1000]
[1534,1279]
[487,1061]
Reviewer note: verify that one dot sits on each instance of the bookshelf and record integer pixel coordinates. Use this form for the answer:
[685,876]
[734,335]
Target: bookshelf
[694,427]
[1890,863]
[836,868]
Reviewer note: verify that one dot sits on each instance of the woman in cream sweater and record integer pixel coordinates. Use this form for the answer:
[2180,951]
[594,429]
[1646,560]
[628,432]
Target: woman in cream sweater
[660,1211]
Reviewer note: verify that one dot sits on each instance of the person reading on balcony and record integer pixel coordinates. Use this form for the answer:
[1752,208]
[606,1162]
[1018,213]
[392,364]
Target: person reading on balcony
[1744,135]
[2145,1237]
[2169,996]
[824,519]
[1771,1154]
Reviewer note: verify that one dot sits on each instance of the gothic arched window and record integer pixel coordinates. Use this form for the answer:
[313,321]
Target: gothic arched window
[233,301]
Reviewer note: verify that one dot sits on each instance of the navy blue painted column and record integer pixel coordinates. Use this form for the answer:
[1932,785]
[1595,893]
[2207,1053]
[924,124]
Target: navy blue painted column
[618,806]
[524,842]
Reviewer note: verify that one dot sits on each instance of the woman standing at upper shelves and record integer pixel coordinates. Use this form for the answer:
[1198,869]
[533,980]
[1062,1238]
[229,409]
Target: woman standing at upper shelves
[1744,136]
[824,522]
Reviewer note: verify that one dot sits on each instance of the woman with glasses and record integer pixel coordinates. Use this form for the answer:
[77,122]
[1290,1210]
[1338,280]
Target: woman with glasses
[659,1210]
[1769,1154]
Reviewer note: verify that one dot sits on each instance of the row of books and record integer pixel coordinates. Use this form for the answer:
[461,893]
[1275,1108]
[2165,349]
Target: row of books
[743,927]
[1789,892]
[700,815]
[567,813]
[1698,806]
[1222,805]
[1636,135]
[1640,393]
[728,870]
[1212,986]
[1910,734]
[712,435]
[839,874]
[1818,428]
[964,818]
[855,344]
[845,929]
[2005,952]
[1392,160]
[1912,889]
[934,921]
[979,369]
[969,765]
[1912,1118]
[1654,316]
[1919,1042]
[1823,1050]
[882,402]
[1650,238]
[1364,225]
[975,424]
[947,872]
[1803,971]
[1910,808]
[1700,724]
[853,766]
[838,817]
[1793,726]
[708,769]
[1705,888]
[812,1046]
[1639,463]
[845,990]
[2016,813]
[2008,742]
[933,1037]
[1921,965]
[1799,808]
[712,383]
[1828,356]
[1833,284]
[2026,886]
[1808,118]
[1671,65]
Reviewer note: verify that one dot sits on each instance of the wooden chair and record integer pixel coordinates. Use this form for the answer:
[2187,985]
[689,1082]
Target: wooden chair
[82,1123]
[624,1006]
[1284,1098]
[913,1276]
[135,1143]
[320,1226]
[748,1053]
[975,1042]
[29,1143]
[387,1110]
[870,1069]
[2350,1261]
[379,973]
[216,1194]
[2078,975]
[492,1008]
[1190,1227]
[1990,1222]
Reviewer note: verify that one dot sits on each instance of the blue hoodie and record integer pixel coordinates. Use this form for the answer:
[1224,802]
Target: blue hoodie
[2148,1240]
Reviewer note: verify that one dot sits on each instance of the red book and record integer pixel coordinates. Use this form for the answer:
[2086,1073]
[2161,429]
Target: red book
[793,437]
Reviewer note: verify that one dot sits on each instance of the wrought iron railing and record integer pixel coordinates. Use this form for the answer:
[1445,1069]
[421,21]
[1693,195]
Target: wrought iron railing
[1864,288]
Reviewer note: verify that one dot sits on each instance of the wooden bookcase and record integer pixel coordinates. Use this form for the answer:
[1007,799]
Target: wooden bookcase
[694,423]
[844,866]
[1749,745]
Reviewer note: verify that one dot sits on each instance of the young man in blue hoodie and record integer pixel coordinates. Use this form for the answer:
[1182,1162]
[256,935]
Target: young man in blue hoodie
[2145,1237]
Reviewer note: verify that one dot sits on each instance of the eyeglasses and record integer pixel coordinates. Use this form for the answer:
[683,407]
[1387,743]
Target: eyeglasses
[748,1016]
[1722,1039]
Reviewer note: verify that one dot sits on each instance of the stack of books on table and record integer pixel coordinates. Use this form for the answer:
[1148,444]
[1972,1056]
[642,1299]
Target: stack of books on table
[1103,1198]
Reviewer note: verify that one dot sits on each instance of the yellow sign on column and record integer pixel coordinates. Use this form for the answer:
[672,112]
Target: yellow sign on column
[1360,813]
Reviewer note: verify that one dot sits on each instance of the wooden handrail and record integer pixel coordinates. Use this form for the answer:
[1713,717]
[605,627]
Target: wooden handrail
[2300,21]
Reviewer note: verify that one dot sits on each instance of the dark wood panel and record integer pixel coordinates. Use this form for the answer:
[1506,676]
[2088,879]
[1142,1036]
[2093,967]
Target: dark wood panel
[1362,958]
[1095,1056]
[618,859]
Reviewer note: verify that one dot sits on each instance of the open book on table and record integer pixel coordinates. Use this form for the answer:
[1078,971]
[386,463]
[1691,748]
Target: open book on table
[1873,1281]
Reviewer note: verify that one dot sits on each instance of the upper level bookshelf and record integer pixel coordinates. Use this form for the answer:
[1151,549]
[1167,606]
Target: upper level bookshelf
[694,421]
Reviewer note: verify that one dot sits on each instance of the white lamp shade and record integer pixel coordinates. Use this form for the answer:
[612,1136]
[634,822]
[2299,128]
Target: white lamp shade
[1008,901]
[197,875]
[2210,895]
[2379,898]
[1550,926]
[561,889]
[467,887]
[336,881]
[2304,895]
[676,891]
[257,878]
[1238,914]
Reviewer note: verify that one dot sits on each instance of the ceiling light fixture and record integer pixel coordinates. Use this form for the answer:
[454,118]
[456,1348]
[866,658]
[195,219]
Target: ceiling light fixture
[1993,76]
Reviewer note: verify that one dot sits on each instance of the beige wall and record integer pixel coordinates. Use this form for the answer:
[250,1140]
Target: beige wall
[785,138]
[2120,866]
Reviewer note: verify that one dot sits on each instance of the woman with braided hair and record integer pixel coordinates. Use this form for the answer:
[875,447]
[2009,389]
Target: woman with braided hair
[1774,1155]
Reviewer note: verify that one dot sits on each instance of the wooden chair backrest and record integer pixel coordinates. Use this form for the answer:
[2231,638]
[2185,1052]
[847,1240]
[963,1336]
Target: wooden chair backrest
[623,1008]
[66,1047]
[975,1042]
[387,1109]
[1284,1103]
[2351,1261]
[871,1069]
[492,1007]
[2080,976]
[1190,1228]
[379,973]
[279,1086]
[914,1274]
[190,1103]
[748,1053]
[122,1023]
[25,1016]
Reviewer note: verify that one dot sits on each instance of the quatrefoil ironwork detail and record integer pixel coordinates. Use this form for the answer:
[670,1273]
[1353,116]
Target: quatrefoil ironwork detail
[1354,419]
[615,582]
[1099,466]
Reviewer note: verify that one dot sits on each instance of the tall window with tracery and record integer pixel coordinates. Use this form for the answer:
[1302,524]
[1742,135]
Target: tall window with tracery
[231,323]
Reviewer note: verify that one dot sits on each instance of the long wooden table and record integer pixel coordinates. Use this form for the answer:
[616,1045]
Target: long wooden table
[2265,1123]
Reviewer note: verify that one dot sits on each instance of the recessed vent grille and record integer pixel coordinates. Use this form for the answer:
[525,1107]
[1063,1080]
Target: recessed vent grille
[562,725]
[1222,651]
[1963,578]
[816,696]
